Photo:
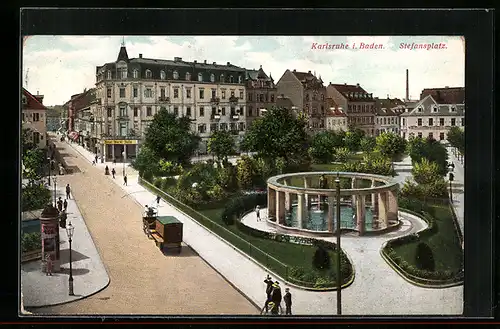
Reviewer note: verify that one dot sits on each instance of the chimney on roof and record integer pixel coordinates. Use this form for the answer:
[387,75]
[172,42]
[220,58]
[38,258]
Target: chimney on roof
[345,83]
[195,61]
[446,87]
[140,55]
[387,96]
[214,63]
[261,66]
[309,72]
[294,70]
[407,85]
[228,63]
[205,61]
[357,85]
[177,59]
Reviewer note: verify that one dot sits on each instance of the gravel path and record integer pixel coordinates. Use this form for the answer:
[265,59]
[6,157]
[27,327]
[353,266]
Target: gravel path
[143,281]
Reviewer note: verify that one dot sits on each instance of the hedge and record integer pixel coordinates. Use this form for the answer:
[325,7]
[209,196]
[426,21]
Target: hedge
[235,207]
[31,241]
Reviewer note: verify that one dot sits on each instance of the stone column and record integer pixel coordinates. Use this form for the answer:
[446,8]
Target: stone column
[307,183]
[392,206]
[104,151]
[113,151]
[360,214]
[49,226]
[288,200]
[280,207]
[124,152]
[353,197]
[271,203]
[382,209]
[374,207]
[331,213]
[301,210]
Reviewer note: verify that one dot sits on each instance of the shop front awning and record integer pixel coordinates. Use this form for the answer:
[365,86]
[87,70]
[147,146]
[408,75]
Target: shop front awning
[73,135]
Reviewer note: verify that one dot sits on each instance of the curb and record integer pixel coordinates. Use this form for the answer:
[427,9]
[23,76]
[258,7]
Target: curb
[418,284]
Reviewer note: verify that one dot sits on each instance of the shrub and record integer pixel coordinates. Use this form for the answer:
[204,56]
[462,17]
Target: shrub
[158,182]
[31,241]
[168,183]
[321,259]
[147,175]
[323,283]
[341,154]
[296,272]
[236,206]
[424,257]
[425,171]
[34,196]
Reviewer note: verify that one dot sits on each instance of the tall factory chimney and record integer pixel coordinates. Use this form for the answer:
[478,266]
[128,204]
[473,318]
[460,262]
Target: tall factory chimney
[407,86]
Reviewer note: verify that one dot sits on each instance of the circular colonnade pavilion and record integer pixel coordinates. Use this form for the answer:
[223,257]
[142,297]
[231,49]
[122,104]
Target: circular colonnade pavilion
[306,201]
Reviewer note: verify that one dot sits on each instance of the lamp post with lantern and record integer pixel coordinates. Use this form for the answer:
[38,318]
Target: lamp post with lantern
[54,179]
[70,229]
[339,262]
[451,177]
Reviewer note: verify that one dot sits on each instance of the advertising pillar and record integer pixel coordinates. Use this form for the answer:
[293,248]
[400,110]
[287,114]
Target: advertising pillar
[49,226]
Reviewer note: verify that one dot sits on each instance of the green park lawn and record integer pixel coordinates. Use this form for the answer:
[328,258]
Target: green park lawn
[445,243]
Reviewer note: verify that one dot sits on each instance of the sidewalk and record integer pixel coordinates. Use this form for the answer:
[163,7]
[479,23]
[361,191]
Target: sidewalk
[89,273]
[458,189]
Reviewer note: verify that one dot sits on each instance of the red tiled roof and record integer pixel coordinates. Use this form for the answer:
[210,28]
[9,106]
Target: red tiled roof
[304,76]
[348,88]
[446,95]
[32,103]
[335,113]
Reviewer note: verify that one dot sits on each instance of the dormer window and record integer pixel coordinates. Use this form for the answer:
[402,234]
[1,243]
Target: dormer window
[149,75]
[188,76]
[419,109]
[176,75]
[162,75]
[200,77]
[239,79]
[452,109]
[434,109]
[212,77]
[108,74]
[135,74]
[231,79]
[222,78]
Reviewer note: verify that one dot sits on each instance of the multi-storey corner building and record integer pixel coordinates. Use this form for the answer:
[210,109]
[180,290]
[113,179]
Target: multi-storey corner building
[387,113]
[85,107]
[307,94]
[438,111]
[358,104]
[132,90]
[34,118]
[261,93]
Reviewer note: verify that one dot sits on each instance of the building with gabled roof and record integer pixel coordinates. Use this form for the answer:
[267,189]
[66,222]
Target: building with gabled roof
[357,103]
[307,93]
[387,112]
[261,93]
[336,118]
[433,119]
[446,95]
[33,117]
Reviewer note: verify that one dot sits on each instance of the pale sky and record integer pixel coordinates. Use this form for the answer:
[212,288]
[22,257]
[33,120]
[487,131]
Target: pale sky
[60,66]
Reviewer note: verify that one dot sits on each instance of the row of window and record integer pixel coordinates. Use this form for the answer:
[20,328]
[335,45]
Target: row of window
[149,111]
[336,122]
[148,93]
[435,109]
[35,116]
[386,121]
[314,97]
[123,74]
[232,126]
[261,97]
[360,120]
[357,108]
[442,135]
[431,121]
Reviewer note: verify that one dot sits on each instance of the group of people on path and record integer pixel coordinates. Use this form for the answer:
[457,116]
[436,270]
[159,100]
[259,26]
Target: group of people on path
[274,297]
[113,174]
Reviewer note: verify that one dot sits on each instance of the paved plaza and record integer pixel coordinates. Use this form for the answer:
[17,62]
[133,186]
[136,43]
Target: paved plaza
[377,289]
[89,273]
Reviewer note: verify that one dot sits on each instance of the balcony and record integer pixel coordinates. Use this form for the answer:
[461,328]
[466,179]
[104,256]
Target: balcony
[430,127]
[215,117]
[163,99]
[215,100]
[233,99]
[122,117]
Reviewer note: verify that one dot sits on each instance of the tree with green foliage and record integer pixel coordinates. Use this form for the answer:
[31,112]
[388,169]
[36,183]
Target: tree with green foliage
[321,259]
[146,162]
[322,146]
[352,139]
[26,142]
[170,137]
[424,257]
[341,154]
[277,134]
[419,148]
[246,172]
[426,172]
[390,144]
[368,144]
[34,196]
[221,144]
[456,138]
[33,163]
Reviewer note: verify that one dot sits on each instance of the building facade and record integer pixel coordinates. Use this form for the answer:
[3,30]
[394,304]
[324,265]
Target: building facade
[33,116]
[430,118]
[132,90]
[261,93]
[307,94]
[387,115]
[358,104]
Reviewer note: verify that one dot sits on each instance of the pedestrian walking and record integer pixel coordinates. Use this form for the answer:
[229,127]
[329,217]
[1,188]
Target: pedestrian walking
[48,264]
[276,294]
[287,298]
[106,170]
[158,198]
[269,289]
[257,212]
[125,180]
[113,172]
[114,161]
[60,204]
[93,162]
[96,158]
[68,192]
[65,204]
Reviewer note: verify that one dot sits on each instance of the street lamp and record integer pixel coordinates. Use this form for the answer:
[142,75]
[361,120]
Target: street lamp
[69,231]
[339,265]
[55,187]
[123,160]
[450,178]
[49,163]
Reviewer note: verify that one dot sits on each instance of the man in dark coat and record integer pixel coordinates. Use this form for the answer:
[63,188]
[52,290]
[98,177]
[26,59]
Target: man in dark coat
[288,302]
[276,294]
[60,204]
[269,289]
[68,192]
[65,204]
